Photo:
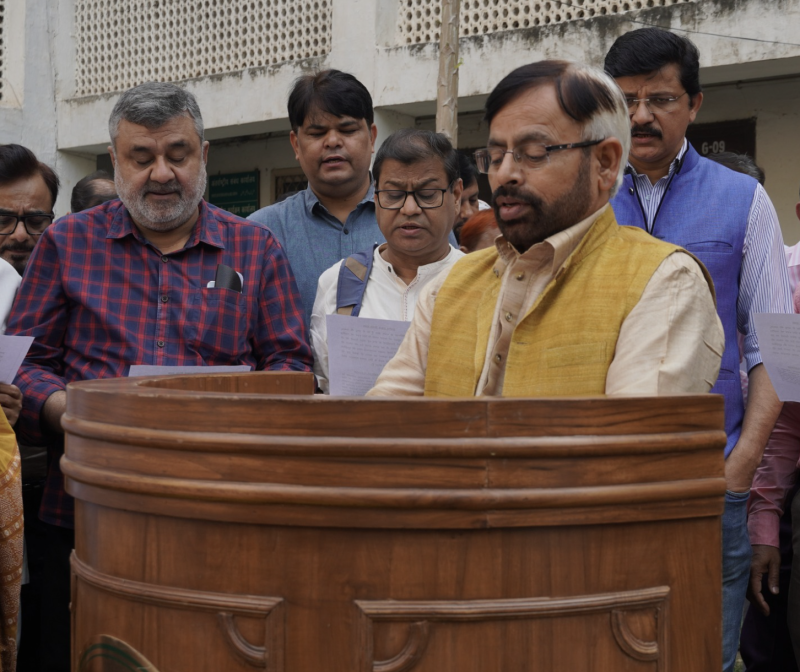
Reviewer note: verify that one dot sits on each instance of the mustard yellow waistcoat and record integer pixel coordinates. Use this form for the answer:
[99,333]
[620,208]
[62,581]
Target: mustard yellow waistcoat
[566,342]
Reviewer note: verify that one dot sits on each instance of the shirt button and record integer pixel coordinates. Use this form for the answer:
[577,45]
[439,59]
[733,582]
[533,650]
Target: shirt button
[160,344]
[520,276]
[498,358]
[345,231]
[164,298]
[509,317]
[165,259]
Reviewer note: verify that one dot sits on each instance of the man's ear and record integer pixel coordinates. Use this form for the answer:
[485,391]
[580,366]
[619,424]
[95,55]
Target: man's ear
[608,155]
[113,158]
[694,108]
[206,145]
[373,134]
[458,189]
[797,210]
[295,142]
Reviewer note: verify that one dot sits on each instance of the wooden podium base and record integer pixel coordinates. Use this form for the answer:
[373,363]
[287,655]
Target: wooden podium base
[232,522]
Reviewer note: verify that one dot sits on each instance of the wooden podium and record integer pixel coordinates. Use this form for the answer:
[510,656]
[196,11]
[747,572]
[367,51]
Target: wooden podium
[238,522]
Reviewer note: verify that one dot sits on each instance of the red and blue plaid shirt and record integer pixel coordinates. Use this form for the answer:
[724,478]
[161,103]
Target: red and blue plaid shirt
[98,297]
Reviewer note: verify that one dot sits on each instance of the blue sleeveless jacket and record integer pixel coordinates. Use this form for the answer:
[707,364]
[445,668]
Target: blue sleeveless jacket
[705,210]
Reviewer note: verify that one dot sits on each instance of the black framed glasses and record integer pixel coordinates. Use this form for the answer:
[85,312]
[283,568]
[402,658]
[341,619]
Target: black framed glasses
[531,155]
[34,224]
[427,199]
[654,104]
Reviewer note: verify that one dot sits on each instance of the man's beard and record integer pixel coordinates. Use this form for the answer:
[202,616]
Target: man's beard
[12,248]
[161,216]
[544,219]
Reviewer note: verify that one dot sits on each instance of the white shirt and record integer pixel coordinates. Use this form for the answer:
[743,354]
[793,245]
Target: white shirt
[670,343]
[386,297]
[9,284]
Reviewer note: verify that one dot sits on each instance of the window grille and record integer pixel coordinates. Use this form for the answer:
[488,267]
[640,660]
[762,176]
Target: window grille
[121,43]
[419,20]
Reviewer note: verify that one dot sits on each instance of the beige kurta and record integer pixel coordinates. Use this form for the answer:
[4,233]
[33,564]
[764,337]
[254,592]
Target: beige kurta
[670,343]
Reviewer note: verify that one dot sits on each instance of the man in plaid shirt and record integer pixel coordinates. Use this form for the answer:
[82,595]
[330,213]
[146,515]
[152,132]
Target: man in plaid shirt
[128,282]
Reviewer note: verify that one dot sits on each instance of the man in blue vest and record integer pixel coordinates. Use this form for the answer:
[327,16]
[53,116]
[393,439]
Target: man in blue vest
[728,222]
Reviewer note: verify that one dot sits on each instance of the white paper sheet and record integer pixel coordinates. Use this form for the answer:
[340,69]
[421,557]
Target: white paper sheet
[779,342]
[138,370]
[12,351]
[358,349]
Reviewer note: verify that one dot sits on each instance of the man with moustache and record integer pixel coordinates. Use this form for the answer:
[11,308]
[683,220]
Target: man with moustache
[470,203]
[566,302]
[727,220]
[133,281]
[28,192]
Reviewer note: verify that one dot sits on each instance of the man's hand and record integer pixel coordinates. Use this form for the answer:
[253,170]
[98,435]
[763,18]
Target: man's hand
[11,401]
[766,560]
[763,408]
[53,409]
[740,467]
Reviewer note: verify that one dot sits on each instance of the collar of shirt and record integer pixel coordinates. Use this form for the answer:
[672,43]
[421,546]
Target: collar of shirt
[205,230]
[424,271]
[312,201]
[554,249]
[672,166]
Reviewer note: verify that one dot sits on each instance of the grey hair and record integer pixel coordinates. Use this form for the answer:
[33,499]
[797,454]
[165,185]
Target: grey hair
[608,123]
[586,95]
[152,105]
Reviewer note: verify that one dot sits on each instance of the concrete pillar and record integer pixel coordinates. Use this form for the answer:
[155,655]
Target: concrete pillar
[389,121]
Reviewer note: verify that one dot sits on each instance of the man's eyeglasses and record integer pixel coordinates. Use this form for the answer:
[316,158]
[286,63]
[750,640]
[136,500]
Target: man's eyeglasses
[34,224]
[532,155]
[427,199]
[654,104]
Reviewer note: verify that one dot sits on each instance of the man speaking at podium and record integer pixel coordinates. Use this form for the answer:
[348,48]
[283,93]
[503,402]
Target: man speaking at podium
[567,303]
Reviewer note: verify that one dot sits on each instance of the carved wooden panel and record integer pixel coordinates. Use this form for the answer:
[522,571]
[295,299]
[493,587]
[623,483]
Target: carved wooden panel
[627,615]
[266,654]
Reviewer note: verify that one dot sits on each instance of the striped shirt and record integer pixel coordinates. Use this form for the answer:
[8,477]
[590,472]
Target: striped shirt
[793,262]
[763,281]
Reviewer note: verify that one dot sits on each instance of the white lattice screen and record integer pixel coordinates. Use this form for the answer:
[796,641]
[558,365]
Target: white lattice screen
[418,20]
[121,43]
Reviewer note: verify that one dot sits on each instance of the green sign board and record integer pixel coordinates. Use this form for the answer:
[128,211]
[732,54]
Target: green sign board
[235,192]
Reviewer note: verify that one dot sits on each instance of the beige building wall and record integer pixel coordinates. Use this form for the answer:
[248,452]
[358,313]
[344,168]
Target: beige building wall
[240,59]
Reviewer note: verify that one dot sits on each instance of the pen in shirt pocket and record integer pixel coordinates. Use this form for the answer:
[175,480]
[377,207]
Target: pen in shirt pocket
[227,278]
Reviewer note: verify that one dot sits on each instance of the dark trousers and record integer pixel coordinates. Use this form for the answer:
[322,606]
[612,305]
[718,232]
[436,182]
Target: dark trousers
[765,644]
[54,651]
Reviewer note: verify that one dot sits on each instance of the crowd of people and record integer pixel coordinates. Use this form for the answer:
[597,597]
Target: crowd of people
[614,260]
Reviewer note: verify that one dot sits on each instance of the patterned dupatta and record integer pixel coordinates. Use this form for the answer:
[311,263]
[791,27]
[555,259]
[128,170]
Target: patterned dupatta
[10,544]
